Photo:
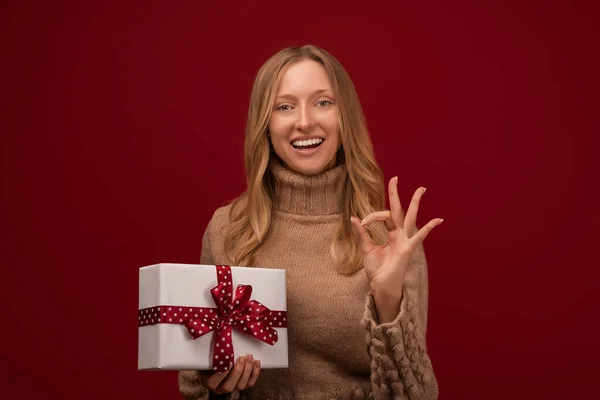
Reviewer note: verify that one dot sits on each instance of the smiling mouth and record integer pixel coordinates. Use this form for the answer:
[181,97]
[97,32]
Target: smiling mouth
[307,144]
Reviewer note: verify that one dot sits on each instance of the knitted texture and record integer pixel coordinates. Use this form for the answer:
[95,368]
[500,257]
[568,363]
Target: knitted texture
[329,314]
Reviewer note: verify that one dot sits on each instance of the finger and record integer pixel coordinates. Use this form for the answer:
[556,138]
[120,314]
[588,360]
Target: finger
[424,231]
[212,381]
[395,206]
[255,373]
[229,384]
[385,216]
[360,234]
[243,382]
[411,215]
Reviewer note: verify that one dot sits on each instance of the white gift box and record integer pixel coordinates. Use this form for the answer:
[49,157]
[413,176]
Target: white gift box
[168,346]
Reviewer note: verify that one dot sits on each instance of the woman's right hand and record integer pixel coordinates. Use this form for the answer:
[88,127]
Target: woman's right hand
[241,376]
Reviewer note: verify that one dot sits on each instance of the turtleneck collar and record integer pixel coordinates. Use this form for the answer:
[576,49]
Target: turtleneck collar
[307,195]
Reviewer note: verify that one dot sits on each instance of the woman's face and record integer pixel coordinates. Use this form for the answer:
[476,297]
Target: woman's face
[304,127]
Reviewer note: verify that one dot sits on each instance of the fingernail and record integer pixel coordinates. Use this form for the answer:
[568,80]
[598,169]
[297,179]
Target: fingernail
[363,222]
[242,360]
[441,220]
[257,363]
[396,180]
[250,358]
[424,189]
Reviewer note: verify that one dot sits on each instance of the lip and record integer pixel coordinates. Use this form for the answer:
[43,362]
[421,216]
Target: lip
[306,138]
[307,152]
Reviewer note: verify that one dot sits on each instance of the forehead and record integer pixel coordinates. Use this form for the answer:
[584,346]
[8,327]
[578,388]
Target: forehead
[303,76]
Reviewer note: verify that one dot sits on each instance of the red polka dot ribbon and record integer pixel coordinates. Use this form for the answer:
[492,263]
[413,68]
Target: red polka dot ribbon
[234,310]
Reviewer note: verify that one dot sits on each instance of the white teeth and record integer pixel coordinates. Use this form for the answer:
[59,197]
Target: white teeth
[300,143]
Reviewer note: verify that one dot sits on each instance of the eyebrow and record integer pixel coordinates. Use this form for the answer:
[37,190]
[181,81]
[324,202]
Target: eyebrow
[291,96]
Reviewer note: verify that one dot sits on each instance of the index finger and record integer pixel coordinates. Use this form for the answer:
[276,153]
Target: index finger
[360,234]
[395,206]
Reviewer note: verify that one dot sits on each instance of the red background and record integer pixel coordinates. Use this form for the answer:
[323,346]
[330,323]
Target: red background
[122,131]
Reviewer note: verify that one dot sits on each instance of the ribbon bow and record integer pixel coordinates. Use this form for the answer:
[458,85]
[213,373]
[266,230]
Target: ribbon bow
[234,310]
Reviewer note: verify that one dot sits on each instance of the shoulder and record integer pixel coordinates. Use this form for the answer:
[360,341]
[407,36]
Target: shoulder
[219,220]
[213,240]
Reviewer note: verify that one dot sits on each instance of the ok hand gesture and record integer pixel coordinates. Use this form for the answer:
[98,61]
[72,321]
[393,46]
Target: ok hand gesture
[386,264]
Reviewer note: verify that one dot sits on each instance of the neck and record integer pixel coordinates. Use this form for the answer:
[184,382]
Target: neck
[319,194]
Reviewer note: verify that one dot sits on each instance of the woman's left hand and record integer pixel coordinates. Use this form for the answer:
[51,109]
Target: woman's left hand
[386,264]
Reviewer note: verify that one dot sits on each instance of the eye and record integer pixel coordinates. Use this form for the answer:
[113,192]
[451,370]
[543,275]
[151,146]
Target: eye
[324,103]
[284,107]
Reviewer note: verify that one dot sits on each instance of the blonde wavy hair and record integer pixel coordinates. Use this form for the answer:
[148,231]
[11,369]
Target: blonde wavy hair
[362,179]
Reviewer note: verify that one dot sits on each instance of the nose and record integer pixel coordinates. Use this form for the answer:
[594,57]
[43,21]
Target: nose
[305,120]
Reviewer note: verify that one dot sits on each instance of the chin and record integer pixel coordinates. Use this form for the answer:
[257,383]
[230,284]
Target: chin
[313,168]
[311,171]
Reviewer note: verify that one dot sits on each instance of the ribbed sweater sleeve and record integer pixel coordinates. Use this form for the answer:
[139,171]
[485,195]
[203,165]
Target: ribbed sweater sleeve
[400,365]
[190,386]
[189,382]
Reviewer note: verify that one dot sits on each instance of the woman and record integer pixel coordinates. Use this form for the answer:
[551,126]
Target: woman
[315,206]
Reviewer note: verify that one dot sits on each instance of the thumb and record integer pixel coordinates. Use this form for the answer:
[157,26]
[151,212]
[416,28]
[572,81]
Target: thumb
[360,234]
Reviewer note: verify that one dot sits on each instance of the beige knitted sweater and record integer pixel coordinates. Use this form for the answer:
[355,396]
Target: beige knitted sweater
[337,348]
